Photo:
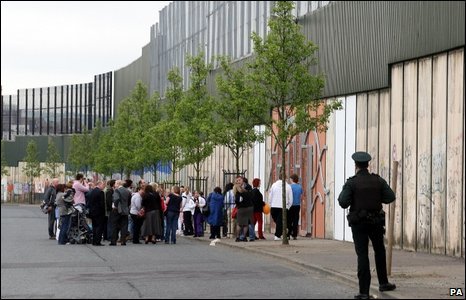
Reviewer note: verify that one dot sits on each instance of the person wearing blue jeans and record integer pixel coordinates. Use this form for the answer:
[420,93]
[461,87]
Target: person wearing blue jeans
[252,232]
[65,227]
[64,203]
[173,213]
[172,226]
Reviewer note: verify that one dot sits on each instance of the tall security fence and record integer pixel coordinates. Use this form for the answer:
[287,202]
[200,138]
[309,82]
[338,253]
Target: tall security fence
[55,110]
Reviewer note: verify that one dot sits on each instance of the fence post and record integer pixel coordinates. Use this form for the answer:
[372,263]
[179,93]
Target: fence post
[391,222]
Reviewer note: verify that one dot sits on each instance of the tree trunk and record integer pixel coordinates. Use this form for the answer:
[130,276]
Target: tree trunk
[30,192]
[284,211]
[173,171]
[197,176]
[237,160]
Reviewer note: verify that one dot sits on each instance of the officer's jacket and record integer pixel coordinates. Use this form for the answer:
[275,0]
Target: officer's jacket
[365,191]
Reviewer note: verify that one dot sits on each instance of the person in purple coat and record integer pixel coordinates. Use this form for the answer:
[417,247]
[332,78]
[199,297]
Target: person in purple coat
[215,218]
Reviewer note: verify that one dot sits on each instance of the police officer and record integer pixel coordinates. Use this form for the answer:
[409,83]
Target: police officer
[364,193]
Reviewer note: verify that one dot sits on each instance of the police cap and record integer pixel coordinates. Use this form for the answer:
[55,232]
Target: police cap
[361,157]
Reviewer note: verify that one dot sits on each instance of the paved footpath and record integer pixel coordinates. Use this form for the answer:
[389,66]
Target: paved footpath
[416,275]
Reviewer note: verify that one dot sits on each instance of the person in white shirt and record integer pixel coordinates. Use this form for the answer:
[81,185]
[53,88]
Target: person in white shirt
[180,229]
[188,206]
[276,204]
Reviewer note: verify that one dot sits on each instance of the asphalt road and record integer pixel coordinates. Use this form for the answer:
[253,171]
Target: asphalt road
[35,267]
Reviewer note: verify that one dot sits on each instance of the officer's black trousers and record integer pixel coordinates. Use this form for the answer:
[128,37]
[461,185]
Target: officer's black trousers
[361,235]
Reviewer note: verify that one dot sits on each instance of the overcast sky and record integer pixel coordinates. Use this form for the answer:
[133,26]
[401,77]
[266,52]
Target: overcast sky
[54,43]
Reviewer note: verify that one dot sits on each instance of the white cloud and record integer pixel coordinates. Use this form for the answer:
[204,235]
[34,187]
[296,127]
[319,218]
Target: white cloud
[53,43]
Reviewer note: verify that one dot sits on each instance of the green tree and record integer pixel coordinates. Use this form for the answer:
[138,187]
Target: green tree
[149,150]
[32,167]
[104,158]
[53,160]
[122,139]
[282,82]
[237,114]
[198,130]
[166,134]
[4,163]
[96,138]
[136,114]
[80,156]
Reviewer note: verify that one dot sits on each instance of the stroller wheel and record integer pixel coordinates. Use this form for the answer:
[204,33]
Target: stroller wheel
[73,235]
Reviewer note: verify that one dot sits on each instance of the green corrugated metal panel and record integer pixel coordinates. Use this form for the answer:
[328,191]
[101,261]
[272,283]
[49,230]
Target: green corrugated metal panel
[358,40]
[15,151]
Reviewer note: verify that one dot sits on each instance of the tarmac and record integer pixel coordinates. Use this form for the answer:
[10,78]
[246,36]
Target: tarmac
[416,275]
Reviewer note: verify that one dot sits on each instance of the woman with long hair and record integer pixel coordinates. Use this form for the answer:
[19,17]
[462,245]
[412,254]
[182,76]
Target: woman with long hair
[173,203]
[244,205]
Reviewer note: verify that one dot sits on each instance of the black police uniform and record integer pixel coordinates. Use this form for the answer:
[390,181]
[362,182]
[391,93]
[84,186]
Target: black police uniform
[365,193]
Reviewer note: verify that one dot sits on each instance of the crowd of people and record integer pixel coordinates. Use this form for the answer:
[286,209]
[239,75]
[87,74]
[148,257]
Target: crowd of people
[121,210]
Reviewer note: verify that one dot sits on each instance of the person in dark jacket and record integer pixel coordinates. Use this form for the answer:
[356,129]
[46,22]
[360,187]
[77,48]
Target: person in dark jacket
[173,203]
[152,223]
[97,212]
[364,193]
[215,218]
[258,202]
[120,212]
[245,209]
[108,194]
[50,199]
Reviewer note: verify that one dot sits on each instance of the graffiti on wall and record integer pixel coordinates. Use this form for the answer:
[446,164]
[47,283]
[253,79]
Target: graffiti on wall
[318,155]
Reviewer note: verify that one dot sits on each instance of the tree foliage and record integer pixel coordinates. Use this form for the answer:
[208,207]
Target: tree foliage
[165,136]
[125,145]
[32,167]
[236,110]
[80,154]
[53,160]
[197,133]
[105,160]
[149,151]
[283,84]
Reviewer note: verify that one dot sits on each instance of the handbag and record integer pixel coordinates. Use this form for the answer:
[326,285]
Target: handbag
[142,213]
[234,212]
[206,210]
[266,209]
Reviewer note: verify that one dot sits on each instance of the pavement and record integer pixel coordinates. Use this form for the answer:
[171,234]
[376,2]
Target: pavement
[416,275]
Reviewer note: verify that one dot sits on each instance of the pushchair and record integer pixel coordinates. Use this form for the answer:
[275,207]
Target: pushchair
[80,232]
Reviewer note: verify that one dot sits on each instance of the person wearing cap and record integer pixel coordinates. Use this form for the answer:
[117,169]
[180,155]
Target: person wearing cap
[364,193]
